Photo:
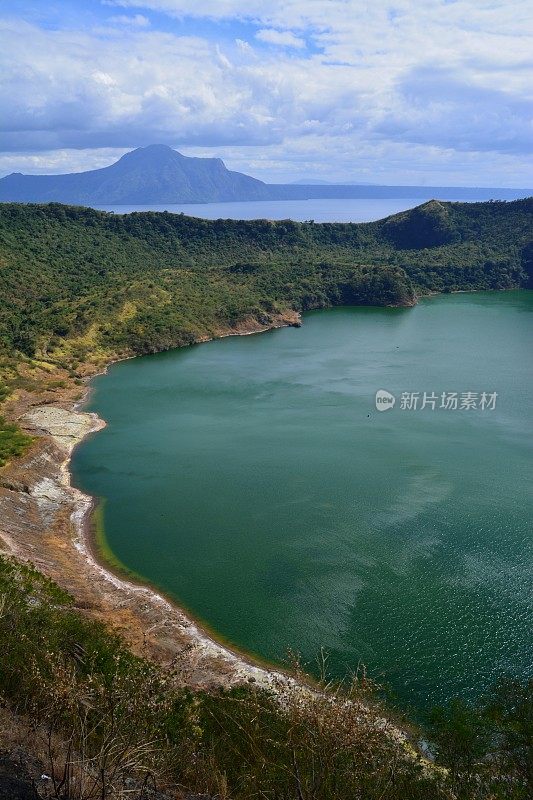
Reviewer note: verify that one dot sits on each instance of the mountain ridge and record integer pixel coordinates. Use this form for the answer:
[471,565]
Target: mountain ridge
[147,281]
[159,174]
[156,173]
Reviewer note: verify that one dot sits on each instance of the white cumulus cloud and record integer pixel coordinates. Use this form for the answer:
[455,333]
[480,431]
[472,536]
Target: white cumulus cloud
[418,88]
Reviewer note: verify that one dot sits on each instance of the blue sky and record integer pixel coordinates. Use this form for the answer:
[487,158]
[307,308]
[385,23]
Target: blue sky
[411,91]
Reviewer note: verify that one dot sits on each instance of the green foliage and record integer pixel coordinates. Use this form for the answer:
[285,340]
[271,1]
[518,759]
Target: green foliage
[488,748]
[149,281]
[393,286]
[430,225]
[462,739]
[509,713]
[13,441]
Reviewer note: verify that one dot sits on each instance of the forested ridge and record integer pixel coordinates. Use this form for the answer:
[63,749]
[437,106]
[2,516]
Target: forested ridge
[80,286]
[147,281]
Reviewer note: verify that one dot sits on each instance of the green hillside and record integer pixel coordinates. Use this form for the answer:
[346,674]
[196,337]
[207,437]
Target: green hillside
[76,282]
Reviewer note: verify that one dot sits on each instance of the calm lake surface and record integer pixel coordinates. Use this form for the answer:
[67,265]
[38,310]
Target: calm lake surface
[253,479]
[364,210]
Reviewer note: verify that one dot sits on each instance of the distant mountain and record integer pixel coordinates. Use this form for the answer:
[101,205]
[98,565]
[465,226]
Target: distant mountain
[154,174]
[158,174]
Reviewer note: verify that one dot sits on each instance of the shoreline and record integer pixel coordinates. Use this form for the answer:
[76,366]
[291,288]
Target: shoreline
[87,543]
[152,625]
[46,520]
[120,576]
[173,633]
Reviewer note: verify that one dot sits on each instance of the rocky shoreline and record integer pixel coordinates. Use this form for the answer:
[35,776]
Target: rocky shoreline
[46,521]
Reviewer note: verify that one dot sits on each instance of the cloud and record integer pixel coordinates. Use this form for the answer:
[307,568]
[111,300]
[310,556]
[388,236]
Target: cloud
[427,85]
[395,17]
[244,46]
[59,161]
[281,38]
[437,107]
[137,21]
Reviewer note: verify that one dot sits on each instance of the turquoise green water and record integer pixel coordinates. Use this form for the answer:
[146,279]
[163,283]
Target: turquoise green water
[253,479]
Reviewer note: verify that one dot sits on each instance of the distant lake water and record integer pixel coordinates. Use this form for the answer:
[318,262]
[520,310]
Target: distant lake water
[253,479]
[299,210]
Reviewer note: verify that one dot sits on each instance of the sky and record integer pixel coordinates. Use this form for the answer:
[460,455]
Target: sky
[435,92]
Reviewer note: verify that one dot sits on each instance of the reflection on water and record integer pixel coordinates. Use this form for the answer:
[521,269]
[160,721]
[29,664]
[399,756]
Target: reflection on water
[253,478]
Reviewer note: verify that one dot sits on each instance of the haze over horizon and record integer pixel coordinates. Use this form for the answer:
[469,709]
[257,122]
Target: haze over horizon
[427,92]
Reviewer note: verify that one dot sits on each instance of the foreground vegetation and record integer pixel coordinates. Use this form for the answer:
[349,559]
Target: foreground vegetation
[106,723]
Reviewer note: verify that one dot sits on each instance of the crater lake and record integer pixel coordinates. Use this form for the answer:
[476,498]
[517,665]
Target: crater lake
[253,479]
